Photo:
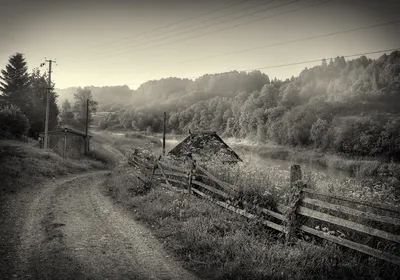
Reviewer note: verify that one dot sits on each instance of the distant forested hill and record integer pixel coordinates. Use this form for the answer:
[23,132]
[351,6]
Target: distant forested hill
[350,107]
[106,96]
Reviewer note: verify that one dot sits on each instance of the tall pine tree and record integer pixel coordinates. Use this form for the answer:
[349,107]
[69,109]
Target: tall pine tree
[14,83]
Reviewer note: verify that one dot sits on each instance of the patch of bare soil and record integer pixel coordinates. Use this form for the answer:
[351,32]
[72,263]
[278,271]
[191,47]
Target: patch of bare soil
[68,230]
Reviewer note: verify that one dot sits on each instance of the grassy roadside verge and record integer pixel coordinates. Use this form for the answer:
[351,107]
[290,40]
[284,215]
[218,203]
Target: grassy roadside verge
[217,244]
[22,165]
[354,166]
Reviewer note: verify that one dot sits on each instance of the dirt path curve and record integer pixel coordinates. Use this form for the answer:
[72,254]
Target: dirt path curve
[69,230]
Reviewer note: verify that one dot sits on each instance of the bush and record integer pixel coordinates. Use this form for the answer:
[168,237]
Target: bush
[103,156]
[13,123]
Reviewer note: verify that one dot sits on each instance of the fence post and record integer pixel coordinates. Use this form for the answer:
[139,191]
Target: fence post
[65,146]
[155,163]
[292,201]
[190,182]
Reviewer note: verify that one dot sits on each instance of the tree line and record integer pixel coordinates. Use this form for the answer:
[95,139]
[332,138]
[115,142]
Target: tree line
[342,106]
[23,102]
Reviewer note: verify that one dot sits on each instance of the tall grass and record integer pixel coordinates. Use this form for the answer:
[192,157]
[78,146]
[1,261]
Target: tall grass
[271,180]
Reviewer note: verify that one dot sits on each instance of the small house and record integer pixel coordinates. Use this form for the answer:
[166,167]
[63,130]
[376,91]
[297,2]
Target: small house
[67,142]
[204,146]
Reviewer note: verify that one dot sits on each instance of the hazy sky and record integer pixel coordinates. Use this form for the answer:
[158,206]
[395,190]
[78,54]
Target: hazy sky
[120,42]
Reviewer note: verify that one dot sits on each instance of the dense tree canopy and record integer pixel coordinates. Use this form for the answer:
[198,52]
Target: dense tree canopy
[348,107]
[28,93]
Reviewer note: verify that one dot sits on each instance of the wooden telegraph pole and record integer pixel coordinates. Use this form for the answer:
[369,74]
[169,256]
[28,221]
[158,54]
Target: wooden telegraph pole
[46,125]
[87,127]
[163,142]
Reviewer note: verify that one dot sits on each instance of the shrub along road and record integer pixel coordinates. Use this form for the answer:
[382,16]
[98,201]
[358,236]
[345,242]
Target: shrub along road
[67,229]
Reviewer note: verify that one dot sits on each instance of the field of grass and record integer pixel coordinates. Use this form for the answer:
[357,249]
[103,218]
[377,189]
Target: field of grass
[359,167]
[24,165]
[218,244]
[251,176]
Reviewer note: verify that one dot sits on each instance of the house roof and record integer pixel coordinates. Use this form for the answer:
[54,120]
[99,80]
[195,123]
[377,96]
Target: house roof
[205,146]
[63,130]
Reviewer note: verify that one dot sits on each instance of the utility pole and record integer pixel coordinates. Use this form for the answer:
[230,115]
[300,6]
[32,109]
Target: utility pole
[87,126]
[46,125]
[163,142]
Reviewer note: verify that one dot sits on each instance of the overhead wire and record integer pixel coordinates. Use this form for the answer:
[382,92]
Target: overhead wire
[283,43]
[214,18]
[164,26]
[241,24]
[305,62]
[95,55]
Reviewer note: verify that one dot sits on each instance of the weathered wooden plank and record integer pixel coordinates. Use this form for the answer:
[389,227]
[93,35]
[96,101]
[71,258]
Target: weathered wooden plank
[182,175]
[177,181]
[211,189]
[382,206]
[349,224]
[136,162]
[274,226]
[173,167]
[195,176]
[239,211]
[353,245]
[351,211]
[272,214]
[174,188]
[162,172]
[216,180]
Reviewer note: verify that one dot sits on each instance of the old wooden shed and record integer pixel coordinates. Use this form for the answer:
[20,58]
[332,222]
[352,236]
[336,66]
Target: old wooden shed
[204,146]
[67,142]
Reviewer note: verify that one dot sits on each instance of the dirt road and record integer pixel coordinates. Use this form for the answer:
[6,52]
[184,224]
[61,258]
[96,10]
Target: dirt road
[68,229]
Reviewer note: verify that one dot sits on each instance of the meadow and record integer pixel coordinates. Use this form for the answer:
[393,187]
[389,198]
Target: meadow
[218,244]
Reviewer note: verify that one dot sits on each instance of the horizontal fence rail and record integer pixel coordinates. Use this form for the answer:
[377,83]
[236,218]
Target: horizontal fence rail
[376,205]
[206,185]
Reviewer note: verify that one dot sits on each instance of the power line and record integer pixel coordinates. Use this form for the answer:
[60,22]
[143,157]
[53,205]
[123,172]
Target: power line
[212,31]
[305,62]
[285,43]
[221,22]
[214,18]
[295,63]
[226,28]
[166,26]
[241,24]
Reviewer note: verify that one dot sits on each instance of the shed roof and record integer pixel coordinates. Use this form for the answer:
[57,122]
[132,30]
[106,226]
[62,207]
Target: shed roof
[63,130]
[205,146]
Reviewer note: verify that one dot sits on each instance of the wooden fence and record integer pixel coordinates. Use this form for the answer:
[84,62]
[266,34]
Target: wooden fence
[303,212]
